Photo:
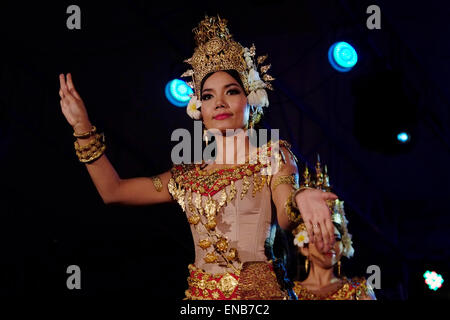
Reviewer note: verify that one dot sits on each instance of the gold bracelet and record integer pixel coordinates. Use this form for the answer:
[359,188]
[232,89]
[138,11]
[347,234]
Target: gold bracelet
[95,155]
[292,212]
[295,193]
[93,150]
[87,134]
[93,142]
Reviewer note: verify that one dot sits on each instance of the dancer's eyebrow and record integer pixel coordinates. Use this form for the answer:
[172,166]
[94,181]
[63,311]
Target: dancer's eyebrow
[225,86]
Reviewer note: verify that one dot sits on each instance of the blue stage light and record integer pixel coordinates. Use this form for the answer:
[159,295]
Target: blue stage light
[403,137]
[177,92]
[342,56]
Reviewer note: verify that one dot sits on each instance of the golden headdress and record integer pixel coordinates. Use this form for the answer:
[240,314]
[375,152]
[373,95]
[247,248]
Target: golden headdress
[216,50]
[322,182]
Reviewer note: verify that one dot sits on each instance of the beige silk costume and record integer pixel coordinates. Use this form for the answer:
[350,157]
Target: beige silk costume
[244,222]
[230,212]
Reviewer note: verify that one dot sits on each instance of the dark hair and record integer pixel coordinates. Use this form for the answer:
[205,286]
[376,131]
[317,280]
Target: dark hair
[277,249]
[231,72]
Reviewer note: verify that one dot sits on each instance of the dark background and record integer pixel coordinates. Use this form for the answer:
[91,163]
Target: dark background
[396,195]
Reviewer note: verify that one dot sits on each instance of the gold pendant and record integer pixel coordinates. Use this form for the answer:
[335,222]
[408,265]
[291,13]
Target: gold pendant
[210,257]
[232,193]
[194,219]
[211,225]
[204,244]
[245,186]
[222,244]
[232,254]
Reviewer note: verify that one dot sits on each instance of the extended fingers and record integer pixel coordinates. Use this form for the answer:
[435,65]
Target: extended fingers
[64,91]
[330,227]
[327,225]
[318,237]
[325,236]
[309,229]
[71,86]
[62,82]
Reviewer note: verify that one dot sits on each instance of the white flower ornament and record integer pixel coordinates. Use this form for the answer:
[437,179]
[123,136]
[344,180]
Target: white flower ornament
[192,108]
[301,238]
[349,251]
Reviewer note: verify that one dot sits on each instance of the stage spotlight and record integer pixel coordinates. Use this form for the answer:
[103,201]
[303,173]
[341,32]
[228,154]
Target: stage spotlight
[433,280]
[177,92]
[403,137]
[342,56]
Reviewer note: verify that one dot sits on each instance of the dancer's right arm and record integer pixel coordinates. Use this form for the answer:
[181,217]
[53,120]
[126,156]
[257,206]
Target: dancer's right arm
[112,189]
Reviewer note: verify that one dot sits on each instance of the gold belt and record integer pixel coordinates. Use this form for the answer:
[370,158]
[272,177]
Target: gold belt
[255,281]
[205,285]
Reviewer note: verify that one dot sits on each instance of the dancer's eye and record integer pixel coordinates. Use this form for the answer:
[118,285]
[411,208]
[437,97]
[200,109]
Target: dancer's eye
[206,96]
[234,91]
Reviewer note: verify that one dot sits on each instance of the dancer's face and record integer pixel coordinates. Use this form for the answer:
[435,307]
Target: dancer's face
[324,260]
[224,103]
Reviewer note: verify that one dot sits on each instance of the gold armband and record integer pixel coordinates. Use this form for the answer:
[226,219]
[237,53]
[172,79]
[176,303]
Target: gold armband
[157,183]
[286,179]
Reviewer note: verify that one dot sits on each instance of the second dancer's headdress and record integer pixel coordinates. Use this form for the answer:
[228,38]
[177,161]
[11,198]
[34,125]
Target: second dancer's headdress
[217,51]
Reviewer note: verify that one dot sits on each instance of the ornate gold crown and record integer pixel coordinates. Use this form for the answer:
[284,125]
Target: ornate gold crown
[216,50]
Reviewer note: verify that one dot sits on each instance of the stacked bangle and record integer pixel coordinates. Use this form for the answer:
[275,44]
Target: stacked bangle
[91,151]
[87,134]
[292,210]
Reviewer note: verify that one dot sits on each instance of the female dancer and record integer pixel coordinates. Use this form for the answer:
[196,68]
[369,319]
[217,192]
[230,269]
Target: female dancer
[230,208]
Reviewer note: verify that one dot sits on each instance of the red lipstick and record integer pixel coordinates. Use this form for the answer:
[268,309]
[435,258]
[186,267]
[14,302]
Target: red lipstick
[222,116]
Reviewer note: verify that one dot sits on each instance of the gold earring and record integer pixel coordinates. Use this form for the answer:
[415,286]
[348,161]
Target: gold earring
[248,125]
[306,265]
[339,268]
[205,136]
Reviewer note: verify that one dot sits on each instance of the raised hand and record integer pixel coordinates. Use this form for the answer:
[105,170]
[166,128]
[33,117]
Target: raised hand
[72,105]
[313,207]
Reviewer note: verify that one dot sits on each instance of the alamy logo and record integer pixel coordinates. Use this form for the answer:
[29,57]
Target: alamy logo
[374,281]
[74,20]
[74,280]
[374,20]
